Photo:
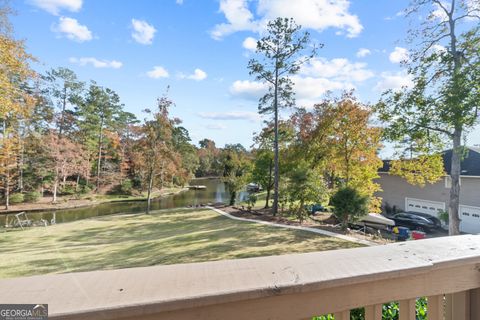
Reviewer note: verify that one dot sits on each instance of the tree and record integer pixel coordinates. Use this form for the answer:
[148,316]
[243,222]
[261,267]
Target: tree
[155,145]
[282,50]
[208,156]
[236,167]
[443,101]
[305,186]
[336,138]
[98,114]
[64,89]
[15,101]
[349,205]
[262,172]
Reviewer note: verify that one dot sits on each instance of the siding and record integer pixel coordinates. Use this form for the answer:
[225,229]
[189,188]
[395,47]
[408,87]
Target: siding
[396,189]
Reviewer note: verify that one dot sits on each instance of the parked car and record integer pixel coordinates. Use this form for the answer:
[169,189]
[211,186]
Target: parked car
[416,221]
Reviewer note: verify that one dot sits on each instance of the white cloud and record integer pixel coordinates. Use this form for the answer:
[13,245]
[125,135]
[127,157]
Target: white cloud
[250,44]
[338,69]
[198,75]
[312,88]
[55,6]
[179,1]
[158,72]
[238,16]
[394,81]
[315,14]
[216,126]
[232,115]
[142,31]
[398,55]
[363,52]
[247,89]
[96,63]
[314,80]
[73,30]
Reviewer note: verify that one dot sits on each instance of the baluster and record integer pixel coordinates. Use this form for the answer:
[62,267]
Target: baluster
[344,315]
[475,304]
[407,309]
[457,306]
[435,307]
[373,312]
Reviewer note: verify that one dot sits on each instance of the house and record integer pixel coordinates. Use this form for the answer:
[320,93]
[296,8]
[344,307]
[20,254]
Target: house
[434,198]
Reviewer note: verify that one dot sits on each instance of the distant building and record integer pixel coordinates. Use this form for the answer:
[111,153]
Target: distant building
[434,198]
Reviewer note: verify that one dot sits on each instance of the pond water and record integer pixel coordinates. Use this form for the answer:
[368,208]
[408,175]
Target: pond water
[215,192]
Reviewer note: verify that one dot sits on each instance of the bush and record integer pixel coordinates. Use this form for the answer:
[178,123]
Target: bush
[126,186]
[32,196]
[86,189]
[67,190]
[349,205]
[251,201]
[16,198]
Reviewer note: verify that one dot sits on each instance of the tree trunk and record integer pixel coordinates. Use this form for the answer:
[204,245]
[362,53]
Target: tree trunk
[21,160]
[275,145]
[55,188]
[77,183]
[269,185]
[7,192]
[233,195]
[62,115]
[99,162]
[455,172]
[149,191]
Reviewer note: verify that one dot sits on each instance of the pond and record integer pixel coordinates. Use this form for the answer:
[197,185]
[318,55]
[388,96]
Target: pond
[215,192]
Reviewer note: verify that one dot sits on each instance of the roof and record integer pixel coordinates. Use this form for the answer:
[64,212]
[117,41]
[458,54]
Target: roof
[470,165]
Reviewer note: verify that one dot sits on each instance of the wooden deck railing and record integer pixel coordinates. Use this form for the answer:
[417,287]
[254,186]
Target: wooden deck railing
[296,286]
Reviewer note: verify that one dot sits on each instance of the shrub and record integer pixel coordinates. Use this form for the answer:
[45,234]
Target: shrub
[16,198]
[86,189]
[32,196]
[126,186]
[349,205]
[251,201]
[67,190]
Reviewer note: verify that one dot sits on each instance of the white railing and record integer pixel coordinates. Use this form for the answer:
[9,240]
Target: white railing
[297,286]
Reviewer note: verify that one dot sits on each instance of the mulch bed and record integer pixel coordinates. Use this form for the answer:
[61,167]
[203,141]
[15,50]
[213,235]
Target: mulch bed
[323,221]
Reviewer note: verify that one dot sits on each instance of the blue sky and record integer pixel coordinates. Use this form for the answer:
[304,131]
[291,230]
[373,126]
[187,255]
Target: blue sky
[201,50]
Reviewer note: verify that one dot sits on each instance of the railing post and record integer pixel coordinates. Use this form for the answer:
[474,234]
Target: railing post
[373,312]
[458,306]
[407,309]
[435,309]
[344,315]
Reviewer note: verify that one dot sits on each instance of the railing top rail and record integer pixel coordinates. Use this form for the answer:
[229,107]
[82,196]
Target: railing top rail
[173,287]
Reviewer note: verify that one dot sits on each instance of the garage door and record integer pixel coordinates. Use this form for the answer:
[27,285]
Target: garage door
[424,206]
[470,219]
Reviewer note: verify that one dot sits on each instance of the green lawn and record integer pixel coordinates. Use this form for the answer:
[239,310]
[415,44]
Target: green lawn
[165,237]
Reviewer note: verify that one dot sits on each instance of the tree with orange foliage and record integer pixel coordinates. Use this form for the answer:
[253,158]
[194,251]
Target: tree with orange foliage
[15,101]
[337,137]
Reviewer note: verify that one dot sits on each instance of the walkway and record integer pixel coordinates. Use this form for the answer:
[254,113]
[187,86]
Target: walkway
[314,230]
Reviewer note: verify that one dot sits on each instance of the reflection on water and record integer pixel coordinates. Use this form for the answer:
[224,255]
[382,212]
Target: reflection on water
[215,192]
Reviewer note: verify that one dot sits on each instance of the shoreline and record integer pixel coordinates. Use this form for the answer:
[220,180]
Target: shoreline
[83,203]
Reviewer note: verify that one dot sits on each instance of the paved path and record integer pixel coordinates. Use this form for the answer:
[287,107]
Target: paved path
[314,230]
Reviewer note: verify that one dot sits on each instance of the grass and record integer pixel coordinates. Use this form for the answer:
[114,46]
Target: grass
[164,237]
